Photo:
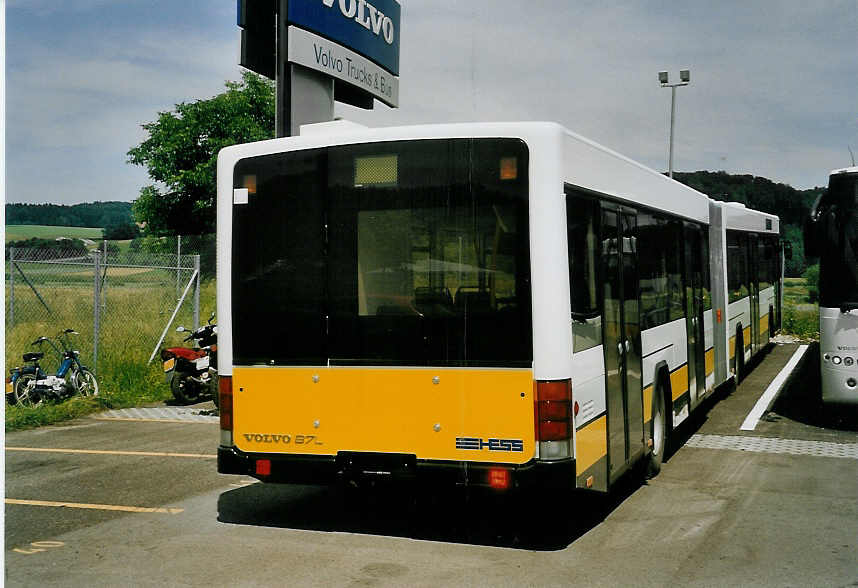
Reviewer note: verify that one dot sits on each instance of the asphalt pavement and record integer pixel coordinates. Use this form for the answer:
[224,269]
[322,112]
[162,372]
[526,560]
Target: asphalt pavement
[133,498]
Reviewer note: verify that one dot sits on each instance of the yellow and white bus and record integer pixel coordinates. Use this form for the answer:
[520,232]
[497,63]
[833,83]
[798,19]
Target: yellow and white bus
[490,305]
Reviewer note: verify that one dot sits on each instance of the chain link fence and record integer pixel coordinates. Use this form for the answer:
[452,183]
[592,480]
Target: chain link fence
[123,297]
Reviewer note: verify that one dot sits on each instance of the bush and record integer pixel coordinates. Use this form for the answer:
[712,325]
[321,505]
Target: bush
[803,324]
[811,280]
[121,231]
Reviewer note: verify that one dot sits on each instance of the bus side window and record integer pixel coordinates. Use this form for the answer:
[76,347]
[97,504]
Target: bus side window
[582,224]
[655,245]
[737,272]
[707,278]
[673,237]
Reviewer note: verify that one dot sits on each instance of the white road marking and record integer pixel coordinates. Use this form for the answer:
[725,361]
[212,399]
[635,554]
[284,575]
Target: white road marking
[768,397]
[116,507]
[113,452]
[161,414]
[774,445]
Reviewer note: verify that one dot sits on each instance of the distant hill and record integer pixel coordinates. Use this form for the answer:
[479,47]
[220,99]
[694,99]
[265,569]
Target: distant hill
[94,214]
[756,192]
[789,204]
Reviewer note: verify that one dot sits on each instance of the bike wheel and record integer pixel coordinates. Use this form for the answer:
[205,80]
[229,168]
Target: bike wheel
[184,390]
[25,391]
[85,383]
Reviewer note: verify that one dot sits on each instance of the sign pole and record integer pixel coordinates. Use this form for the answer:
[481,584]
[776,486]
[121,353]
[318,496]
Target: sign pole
[282,105]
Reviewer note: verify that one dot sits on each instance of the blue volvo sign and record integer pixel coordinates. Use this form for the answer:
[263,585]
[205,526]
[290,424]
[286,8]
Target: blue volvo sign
[368,27]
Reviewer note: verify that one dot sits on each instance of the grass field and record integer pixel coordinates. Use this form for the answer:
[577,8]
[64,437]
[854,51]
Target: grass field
[22,232]
[131,322]
[800,316]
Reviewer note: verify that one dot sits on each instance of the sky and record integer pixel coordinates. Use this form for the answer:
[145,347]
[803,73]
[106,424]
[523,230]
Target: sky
[773,93]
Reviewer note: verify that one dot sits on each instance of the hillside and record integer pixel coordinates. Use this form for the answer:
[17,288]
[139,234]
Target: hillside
[789,204]
[756,192]
[93,214]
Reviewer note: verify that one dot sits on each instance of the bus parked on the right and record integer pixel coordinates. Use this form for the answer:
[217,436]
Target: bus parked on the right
[832,235]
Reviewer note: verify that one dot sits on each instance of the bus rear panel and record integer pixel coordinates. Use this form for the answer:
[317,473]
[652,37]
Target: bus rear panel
[381,314]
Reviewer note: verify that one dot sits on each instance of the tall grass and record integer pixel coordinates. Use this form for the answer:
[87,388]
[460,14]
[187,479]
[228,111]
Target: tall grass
[800,312]
[132,320]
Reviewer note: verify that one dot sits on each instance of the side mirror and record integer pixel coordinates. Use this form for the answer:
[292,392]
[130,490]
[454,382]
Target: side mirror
[211,318]
[180,329]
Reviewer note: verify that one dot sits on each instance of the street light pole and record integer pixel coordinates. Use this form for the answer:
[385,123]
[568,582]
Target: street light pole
[685,79]
[672,119]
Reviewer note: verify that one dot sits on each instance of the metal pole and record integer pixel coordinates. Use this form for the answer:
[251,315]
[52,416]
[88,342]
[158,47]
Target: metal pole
[197,293]
[178,265]
[11,286]
[172,318]
[672,117]
[283,91]
[96,258]
[103,290]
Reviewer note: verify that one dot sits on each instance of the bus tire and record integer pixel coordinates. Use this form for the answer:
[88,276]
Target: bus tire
[660,430]
[771,323]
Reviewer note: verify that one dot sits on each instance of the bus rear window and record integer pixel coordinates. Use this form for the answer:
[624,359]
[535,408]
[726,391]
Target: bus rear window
[387,254]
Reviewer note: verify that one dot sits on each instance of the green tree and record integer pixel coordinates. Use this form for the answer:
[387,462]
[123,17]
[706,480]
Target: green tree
[811,281]
[181,150]
[120,231]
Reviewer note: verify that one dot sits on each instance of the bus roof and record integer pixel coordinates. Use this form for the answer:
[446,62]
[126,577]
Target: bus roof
[585,164]
[740,217]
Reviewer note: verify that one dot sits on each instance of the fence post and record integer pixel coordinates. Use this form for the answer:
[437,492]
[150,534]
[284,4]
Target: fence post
[178,265]
[96,258]
[11,266]
[197,293]
[103,287]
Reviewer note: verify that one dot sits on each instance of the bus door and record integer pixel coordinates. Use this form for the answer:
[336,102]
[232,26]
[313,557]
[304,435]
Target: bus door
[754,289]
[694,251]
[622,346]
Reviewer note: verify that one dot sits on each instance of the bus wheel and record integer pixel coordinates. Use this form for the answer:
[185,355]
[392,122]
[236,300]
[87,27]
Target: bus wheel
[771,323]
[659,436]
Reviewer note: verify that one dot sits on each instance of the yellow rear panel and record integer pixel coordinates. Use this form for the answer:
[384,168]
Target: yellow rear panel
[420,411]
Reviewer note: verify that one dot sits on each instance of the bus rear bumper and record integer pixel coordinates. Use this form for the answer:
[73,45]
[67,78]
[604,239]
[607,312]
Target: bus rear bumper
[375,468]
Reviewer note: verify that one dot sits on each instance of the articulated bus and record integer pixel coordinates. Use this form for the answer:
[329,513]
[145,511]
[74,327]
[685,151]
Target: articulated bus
[832,235]
[504,305]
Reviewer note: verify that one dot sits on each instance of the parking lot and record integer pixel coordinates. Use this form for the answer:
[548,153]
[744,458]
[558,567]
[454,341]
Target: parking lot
[133,498]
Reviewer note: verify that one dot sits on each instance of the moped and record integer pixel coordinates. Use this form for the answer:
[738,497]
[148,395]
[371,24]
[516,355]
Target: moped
[30,385]
[192,373]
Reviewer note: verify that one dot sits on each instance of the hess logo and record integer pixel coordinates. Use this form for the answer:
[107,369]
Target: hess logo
[478,444]
[366,15]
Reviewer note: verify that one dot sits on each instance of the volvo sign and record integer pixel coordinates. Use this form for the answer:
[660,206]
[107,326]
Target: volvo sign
[319,51]
[338,62]
[368,28]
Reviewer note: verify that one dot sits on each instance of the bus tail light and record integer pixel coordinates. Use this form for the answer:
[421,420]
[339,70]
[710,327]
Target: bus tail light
[553,418]
[499,478]
[263,467]
[553,410]
[225,393]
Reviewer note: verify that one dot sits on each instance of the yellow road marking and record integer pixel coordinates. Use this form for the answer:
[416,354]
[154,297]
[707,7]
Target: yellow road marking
[115,507]
[145,420]
[111,452]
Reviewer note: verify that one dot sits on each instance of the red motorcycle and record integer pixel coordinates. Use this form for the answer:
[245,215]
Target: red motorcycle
[192,373]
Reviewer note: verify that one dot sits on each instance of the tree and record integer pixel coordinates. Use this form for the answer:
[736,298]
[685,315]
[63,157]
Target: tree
[120,231]
[181,150]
